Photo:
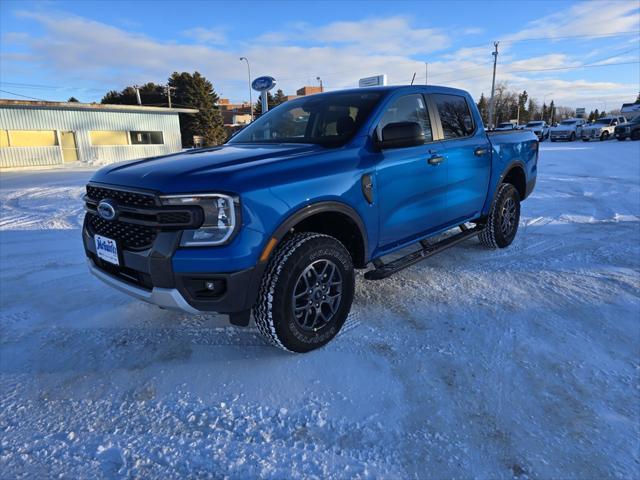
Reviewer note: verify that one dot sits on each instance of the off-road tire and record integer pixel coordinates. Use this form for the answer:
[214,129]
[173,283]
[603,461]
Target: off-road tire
[492,236]
[273,311]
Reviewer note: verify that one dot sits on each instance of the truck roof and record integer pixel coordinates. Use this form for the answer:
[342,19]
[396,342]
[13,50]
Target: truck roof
[417,88]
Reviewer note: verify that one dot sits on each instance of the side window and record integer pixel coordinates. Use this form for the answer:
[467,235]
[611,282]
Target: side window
[455,115]
[410,108]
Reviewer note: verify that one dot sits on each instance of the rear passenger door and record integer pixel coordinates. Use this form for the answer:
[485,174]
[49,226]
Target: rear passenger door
[467,151]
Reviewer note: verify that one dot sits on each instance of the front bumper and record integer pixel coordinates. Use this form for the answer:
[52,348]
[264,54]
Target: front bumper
[169,298]
[561,135]
[591,134]
[148,275]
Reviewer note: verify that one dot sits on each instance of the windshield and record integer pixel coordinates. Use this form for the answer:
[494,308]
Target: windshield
[503,125]
[328,119]
[534,124]
[605,121]
[568,122]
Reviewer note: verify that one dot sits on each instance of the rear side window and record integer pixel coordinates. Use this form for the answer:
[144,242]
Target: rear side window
[455,115]
[410,108]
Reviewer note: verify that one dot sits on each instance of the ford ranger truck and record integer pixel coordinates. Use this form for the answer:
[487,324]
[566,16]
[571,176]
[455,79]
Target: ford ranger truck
[274,223]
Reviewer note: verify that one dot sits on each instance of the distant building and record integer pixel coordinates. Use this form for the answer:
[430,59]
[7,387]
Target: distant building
[36,133]
[307,90]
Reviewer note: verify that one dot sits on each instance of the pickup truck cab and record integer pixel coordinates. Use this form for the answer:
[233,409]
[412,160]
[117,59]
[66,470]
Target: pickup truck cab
[630,129]
[568,129]
[275,221]
[539,128]
[601,129]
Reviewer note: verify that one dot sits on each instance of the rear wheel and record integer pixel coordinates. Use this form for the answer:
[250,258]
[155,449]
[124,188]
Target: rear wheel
[306,292]
[503,219]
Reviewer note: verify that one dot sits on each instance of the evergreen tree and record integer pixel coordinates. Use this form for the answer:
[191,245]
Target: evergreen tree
[545,111]
[257,109]
[195,91]
[150,94]
[483,108]
[637,99]
[552,112]
[279,97]
[522,101]
[73,100]
[532,110]
[602,114]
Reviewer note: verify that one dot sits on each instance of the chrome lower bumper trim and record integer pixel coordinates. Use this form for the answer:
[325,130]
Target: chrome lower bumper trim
[163,297]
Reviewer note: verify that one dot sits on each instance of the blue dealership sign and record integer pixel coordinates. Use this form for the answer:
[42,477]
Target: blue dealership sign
[263,84]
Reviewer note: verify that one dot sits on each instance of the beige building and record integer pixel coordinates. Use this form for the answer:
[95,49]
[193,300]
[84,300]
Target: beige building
[36,133]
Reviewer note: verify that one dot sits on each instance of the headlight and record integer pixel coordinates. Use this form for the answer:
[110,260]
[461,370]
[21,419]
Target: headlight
[220,215]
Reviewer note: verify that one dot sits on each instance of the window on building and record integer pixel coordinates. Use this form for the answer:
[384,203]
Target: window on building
[455,116]
[109,137]
[410,108]
[146,138]
[31,138]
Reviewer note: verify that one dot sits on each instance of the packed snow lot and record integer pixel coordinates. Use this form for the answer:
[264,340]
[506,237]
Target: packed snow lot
[518,363]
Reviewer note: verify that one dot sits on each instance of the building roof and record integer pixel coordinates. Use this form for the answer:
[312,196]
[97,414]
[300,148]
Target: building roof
[92,106]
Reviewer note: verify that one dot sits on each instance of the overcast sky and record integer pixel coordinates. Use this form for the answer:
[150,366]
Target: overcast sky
[581,54]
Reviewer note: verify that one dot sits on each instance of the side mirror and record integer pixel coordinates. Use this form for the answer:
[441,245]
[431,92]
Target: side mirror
[400,135]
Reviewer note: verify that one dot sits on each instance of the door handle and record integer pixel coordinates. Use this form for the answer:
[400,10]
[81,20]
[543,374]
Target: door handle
[436,160]
[479,152]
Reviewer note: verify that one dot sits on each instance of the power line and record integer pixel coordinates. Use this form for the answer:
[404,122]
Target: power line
[23,96]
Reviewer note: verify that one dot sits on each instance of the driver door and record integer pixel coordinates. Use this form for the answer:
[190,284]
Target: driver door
[412,181]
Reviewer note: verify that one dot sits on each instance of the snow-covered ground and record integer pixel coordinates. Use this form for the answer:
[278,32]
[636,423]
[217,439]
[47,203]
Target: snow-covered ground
[519,363]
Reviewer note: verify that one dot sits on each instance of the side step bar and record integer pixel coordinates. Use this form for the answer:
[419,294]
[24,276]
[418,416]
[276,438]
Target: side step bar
[384,270]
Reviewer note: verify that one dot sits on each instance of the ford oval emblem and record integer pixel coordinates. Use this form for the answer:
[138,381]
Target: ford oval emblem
[263,84]
[107,210]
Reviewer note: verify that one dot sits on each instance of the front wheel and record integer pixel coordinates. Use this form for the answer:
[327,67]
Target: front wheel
[604,136]
[503,219]
[635,135]
[306,292]
[573,137]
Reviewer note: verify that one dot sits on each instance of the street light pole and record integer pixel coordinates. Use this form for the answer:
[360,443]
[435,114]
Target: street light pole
[250,94]
[493,84]
[320,80]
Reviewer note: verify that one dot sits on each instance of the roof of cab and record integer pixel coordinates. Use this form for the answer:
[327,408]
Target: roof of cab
[388,88]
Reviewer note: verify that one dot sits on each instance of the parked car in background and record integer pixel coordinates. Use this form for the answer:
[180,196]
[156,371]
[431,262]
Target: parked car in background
[602,128]
[275,221]
[540,128]
[630,129]
[569,129]
[505,126]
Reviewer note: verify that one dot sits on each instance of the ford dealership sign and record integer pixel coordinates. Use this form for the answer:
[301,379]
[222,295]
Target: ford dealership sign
[263,84]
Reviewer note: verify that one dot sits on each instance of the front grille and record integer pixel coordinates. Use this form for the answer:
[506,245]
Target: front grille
[174,217]
[123,197]
[128,235]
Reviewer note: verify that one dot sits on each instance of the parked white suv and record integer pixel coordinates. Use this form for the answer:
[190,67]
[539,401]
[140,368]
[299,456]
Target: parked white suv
[540,128]
[569,129]
[601,129]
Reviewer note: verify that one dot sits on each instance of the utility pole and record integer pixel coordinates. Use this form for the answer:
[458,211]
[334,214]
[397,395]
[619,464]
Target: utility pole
[426,73]
[321,87]
[250,95]
[137,88]
[168,89]
[493,84]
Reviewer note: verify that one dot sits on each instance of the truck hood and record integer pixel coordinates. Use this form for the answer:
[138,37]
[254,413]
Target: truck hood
[197,170]
[564,128]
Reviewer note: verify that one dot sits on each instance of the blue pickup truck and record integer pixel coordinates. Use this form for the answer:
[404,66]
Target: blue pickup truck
[274,222]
